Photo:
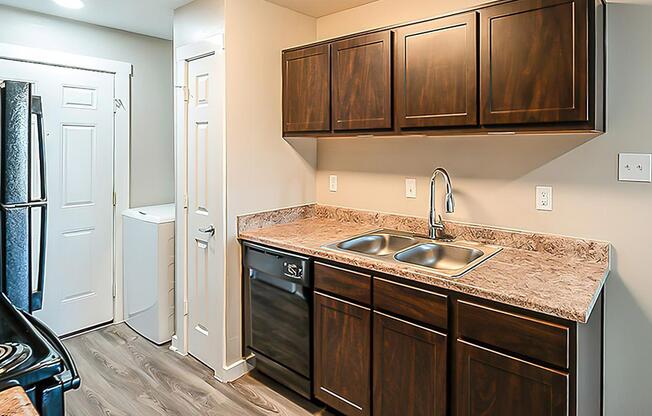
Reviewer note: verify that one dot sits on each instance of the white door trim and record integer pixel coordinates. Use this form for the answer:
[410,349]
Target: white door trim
[185,54]
[122,93]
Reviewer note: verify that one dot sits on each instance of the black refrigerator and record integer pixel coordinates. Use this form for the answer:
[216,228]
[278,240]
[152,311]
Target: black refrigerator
[31,355]
[20,201]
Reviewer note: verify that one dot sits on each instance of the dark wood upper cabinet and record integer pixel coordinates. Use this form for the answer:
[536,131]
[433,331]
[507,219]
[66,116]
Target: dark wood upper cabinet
[362,90]
[436,73]
[534,62]
[521,66]
[342,345]
[491,383]
[409,369]
[306,90]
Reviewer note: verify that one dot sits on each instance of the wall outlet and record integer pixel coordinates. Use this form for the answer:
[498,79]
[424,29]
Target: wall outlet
[332,183]
[634,167]
[410,188]
[544,198]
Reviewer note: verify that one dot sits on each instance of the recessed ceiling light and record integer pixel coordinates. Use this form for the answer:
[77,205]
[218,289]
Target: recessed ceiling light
[70,4]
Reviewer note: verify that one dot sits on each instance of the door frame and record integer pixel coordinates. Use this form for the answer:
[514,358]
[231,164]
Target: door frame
[122,72]
[184,55]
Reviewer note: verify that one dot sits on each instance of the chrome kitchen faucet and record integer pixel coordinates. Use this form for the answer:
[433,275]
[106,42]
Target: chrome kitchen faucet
[436,226]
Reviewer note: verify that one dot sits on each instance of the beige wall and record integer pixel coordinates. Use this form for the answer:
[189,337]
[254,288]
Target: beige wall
[263,170]
[152,160]
[198,21]
[494,180]
[384,13]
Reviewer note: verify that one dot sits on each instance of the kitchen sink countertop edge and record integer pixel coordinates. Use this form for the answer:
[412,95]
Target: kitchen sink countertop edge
[554,275]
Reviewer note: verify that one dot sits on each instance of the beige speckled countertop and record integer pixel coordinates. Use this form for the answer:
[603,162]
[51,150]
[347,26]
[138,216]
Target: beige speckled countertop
[554,275]
[14,402]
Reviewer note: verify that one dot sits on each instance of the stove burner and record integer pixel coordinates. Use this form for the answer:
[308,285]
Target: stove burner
[13,355]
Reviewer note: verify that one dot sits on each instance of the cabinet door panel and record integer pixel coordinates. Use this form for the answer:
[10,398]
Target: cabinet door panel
[436,73]
[306,89]
[342,355]
[409,369]
[361,70]
[534,66]
[491,383]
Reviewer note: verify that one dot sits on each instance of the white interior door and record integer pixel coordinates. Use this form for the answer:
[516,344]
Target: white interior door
[205,203]
[78,120]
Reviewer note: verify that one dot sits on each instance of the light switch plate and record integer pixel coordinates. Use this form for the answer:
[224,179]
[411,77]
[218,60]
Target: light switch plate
[332,183]
[634,167]
[410,187]
[544,198]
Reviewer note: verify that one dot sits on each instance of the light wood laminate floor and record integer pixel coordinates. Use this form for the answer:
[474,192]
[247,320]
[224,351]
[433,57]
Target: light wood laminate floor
[123,374]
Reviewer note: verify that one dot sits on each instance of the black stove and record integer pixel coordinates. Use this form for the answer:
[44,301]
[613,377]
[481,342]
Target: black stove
[33,357]
[13,355]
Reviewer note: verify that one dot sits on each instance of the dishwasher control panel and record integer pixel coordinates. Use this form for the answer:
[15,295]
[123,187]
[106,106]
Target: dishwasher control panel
[292,270]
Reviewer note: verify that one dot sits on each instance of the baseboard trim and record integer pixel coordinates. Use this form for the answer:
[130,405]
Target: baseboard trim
[174,346]
[233,371]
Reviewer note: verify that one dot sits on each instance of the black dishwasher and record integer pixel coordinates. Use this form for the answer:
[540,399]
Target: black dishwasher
[278,315]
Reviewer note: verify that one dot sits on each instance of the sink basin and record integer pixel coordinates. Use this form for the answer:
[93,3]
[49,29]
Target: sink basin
[450,259]
[378,244]
[439,256]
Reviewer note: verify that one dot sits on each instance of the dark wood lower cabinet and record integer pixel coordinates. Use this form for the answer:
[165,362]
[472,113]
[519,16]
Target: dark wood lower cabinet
[409,369]
[342,375]
[418,351]
[494,384]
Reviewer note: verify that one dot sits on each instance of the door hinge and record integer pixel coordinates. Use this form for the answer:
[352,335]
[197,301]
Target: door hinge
[186,93]
[185,308]
[185,201]
[115,199]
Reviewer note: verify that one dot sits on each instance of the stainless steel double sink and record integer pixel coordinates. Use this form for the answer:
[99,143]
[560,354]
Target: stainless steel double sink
[451,259]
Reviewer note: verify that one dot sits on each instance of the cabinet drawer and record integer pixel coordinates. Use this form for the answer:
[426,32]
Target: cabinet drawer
[342,282]
[540,340]
[414,303]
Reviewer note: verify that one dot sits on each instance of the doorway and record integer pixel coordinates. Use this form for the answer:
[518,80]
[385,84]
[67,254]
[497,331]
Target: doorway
[79,107]
[200,188]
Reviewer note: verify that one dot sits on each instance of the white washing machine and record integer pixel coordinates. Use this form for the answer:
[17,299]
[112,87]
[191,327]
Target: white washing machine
[148,268]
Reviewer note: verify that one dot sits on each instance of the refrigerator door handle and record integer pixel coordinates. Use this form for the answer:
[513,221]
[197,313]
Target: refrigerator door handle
[37,109]
[37,294]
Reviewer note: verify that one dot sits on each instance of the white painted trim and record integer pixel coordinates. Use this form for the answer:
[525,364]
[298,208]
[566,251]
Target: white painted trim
[183,55]
[122,120]
[179,340]
[51,57]
[121,179]
[233,371]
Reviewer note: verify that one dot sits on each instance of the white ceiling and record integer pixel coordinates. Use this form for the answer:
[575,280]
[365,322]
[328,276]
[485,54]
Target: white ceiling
[319,8]
[149,17]
[154,17]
